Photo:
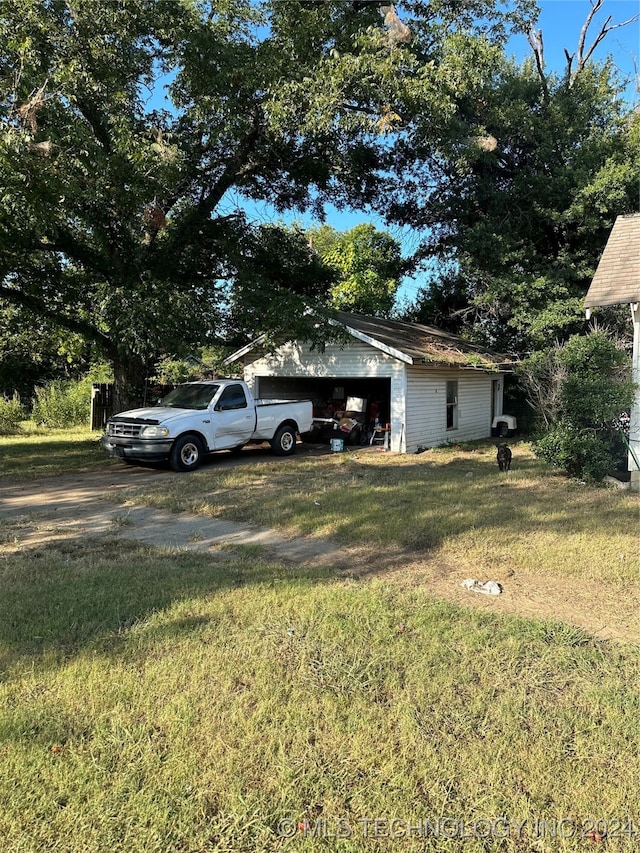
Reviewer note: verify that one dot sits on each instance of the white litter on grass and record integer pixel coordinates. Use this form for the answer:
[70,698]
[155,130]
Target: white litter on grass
[487,588]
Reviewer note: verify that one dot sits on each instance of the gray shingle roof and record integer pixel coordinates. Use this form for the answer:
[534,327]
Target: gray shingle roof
[617,279]
[423,344]
[410,342]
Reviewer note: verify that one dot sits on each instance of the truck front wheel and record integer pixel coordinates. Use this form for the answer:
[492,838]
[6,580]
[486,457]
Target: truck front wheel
[186,453]
[283,442]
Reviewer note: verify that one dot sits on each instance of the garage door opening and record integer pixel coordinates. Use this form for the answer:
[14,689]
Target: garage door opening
[345,406]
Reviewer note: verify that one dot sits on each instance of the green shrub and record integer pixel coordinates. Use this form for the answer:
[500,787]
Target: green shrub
[61,404]
[580,452]
[580,390]
[100,371]
[11,413]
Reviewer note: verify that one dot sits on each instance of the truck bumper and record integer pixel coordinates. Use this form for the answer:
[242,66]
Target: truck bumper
[152,449]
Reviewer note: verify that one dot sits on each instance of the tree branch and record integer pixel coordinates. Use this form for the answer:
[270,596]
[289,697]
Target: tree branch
[534,37]
[583,55]
[95,121]
[64,242]
[570,57]
[595,7]
[38,306]
[236,168]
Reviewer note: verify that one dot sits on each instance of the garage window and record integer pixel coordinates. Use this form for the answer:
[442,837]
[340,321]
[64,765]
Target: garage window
[452,405]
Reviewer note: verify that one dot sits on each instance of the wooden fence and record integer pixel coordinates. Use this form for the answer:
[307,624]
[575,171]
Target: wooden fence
[101,404]
[102,401]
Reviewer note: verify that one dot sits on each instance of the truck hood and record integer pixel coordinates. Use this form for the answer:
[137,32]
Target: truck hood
[155,414]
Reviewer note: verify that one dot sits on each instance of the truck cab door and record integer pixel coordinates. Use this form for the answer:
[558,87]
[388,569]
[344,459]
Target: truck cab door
[233,418]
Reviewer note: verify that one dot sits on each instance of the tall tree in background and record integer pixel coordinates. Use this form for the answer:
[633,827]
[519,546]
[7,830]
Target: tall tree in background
[368,266]
[518,200]
[122,220]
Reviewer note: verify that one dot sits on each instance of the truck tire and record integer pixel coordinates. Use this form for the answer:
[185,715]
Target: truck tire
[186,453]
[283,442]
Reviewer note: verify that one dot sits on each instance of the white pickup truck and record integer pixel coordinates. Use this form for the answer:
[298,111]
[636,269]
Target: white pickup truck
[200,417]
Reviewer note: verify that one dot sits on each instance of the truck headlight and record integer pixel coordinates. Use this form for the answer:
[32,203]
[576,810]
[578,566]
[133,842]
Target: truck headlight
[154,432]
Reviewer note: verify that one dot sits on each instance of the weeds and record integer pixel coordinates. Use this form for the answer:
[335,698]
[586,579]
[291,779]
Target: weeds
[11,414]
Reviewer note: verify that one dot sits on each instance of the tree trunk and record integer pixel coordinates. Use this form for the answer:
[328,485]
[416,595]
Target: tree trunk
[129,383]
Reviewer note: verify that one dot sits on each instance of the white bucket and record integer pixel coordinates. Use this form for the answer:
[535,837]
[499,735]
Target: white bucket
[337,445]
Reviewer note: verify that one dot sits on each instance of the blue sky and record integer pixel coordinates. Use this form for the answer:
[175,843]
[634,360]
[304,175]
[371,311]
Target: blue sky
[561,21]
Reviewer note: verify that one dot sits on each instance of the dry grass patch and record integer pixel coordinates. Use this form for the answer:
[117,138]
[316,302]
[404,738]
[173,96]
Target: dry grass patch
[451,501]
[153,701]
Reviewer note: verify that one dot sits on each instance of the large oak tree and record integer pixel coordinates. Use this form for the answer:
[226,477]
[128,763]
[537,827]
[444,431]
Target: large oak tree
[516,202]
[133,135]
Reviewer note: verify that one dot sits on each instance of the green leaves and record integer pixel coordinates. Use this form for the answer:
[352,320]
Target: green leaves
[131,134]
[580,390]
[368,265]
[521,192]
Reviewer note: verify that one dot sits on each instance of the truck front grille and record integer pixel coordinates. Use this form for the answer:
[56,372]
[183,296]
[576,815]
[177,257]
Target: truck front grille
[124,429]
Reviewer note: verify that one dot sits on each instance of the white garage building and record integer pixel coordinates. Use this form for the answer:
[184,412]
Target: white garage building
[431,387]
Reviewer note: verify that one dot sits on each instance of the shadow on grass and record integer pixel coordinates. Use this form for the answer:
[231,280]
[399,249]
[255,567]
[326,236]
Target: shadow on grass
[83,594]
[60,599]
[34,456]
[422,505]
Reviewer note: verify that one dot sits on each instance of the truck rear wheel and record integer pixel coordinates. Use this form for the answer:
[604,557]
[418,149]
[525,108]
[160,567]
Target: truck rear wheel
[283,442]
[186,453]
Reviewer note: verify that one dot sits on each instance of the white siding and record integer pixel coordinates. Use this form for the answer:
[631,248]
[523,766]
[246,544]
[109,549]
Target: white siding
[356,359]
[418,393]
[498,401]
[426,408]
[398,438]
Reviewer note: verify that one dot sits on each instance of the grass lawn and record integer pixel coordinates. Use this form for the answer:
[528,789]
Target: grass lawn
[452,501]
[160,701]
[41,452]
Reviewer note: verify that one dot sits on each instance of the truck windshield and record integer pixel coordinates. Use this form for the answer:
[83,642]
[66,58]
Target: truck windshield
[194,396]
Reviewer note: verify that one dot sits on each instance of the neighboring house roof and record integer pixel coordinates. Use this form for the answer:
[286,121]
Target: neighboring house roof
[411,343]
[617,278]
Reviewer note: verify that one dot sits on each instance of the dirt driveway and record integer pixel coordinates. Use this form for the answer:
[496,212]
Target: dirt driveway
[43,511]
[37,513]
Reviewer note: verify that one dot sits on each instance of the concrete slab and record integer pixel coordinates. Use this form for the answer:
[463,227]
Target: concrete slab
[71,507]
